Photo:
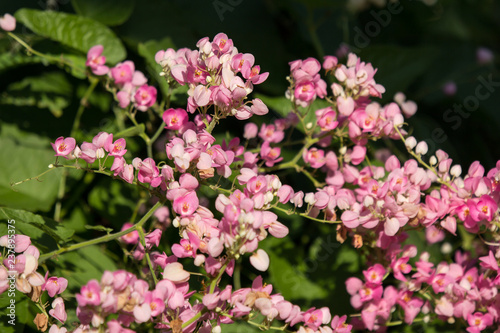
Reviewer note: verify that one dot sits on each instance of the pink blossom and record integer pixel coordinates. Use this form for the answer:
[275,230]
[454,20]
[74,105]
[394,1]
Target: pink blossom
[88,152]
[89,294]
[260,260]
[96,61]
[116,148]
[186,204]
[314,157]
[132,237]
[478,322]
[339,325]
[8,22]
[270,155]
[54,285]
[175,118]
[123,72]
[64,146]
[58,310]
[145,97]
[175,273]
[250,131]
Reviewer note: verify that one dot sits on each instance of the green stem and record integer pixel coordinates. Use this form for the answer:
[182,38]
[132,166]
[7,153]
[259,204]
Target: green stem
[215,281]
[83,104]
[153,139]
[148,259]
[51,167]
[60,196]
[237,276]
[288,212]
[193,319]
[102,239]
[57,60]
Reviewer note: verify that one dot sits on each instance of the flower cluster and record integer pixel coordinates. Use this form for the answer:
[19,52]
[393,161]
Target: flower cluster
[131,84]
[375,204]
[216,74]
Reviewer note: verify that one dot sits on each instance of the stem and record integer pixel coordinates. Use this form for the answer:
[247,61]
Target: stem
[60,195]
[57,60]
[102,239]
[83,104]
[51,167]
[193,319]
[237,277]
[216,280]
[288,212]
[153,139]
[148,259]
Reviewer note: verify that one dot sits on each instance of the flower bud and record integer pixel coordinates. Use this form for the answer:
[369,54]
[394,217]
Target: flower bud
[410,143]
[422,148]
[456,170]
[433,160]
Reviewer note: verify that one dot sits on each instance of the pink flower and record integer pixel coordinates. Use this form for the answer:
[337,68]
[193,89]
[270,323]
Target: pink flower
[117,148]
[88,152]
[123,72]
[64,146]
[270,155]
[175,272]
[58,310]
[339,325]
[260,260]
[187,204]
[89,294]
[8,22]
[175,118]
[145,97]
[478,322]
[315,157]
[54,285]
[96,61]
[489,262]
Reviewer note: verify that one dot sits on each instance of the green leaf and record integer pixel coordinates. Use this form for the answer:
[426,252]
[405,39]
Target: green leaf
[36,226]
[109,12]
[11,60]
[83,265]
[99,228]
[50,82]
[131,131]
[25,156]
[80,33]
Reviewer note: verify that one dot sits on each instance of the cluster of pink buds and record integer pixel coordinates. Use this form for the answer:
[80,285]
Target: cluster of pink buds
[131,84]
[19,271]
[213,75]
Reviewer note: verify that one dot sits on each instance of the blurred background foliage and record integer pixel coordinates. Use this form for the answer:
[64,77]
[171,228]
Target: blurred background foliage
[418,50]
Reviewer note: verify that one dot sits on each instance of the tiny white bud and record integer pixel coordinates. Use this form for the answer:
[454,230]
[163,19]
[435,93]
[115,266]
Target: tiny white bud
[433,160]
[100,153]
[309,198]
[51,166]
[411,142]
[343,150]
[175,222]
[456,170]
[208,79]
[216,329]
[162,73]
[451,320]
[446,248]
[427,319]
[368,201]
[309,125]
[422,148]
